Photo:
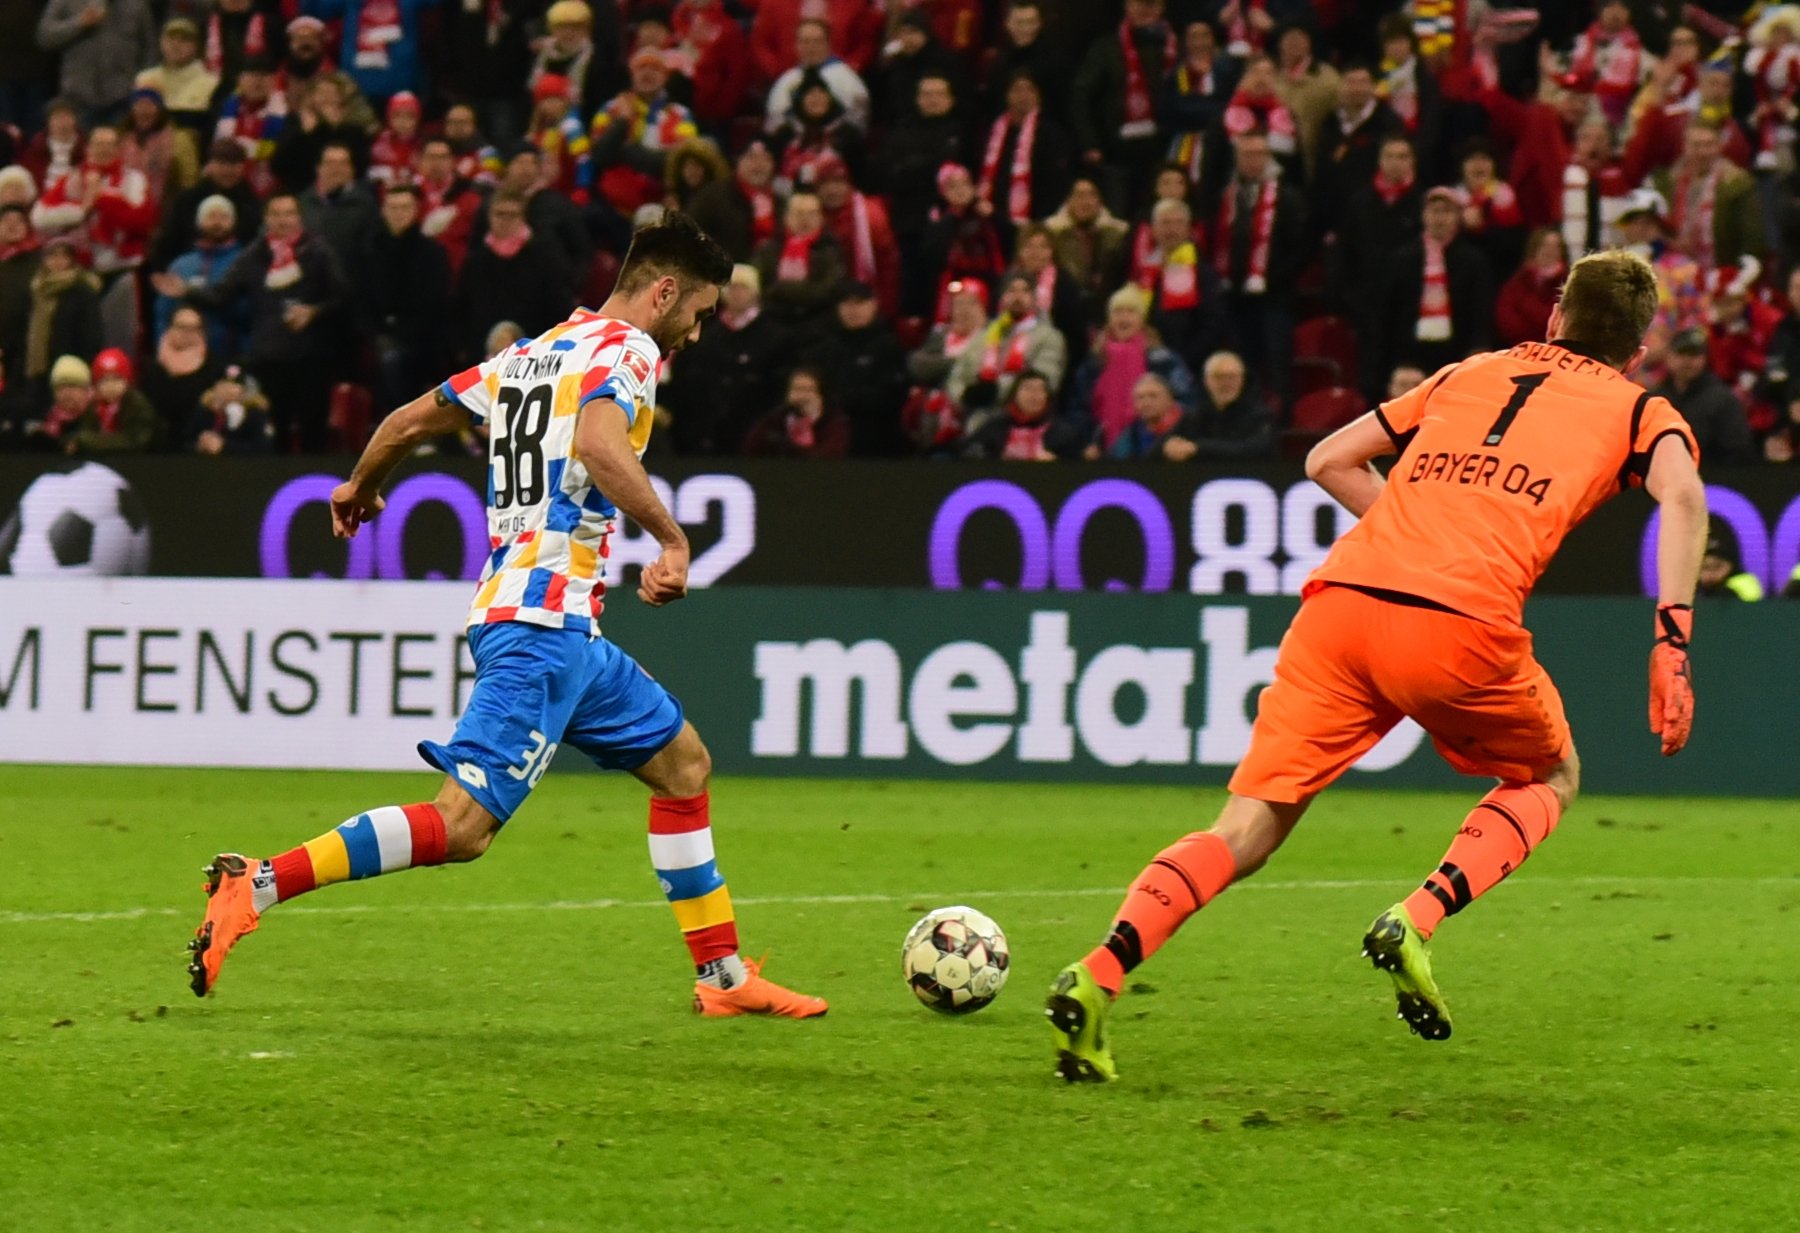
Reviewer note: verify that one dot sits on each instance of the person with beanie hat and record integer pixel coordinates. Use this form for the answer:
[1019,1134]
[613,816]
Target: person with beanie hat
[181,77]
[561,137]
[168,156]
[396,147]
[17,188]
[71,390]
[216,246]
[119,418]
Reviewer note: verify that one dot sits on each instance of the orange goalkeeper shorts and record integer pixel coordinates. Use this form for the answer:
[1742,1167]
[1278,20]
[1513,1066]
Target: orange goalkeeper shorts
[1352,666]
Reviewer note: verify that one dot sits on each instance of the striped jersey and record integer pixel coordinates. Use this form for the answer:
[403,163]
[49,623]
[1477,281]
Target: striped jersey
[548,526]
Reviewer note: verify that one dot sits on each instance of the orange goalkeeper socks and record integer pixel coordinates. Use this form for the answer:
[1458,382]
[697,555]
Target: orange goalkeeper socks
[1494,840]
[1184,877]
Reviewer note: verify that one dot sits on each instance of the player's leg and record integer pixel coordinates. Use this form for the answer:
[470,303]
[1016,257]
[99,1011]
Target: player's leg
[1508,724]
[525,685]
[1313,722]
[627,721]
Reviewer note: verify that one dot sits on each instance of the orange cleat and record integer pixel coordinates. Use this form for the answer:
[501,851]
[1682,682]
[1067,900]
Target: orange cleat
[756,996]
[230,914]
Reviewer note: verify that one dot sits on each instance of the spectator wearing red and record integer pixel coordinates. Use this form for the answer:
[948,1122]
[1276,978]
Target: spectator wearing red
[71,390]
[1526,298]
[253,117]
[740,212]
[1091,244]
[1195,96]
[852,30]
[801,266]
[1740,325]
[449,204]
[512,275]
[1612,55]
[119,419]
[632,137]
[956,25]
[1595,191]
[1656,140]
[1350,140]
[720,53]
[395,154]
[1256,249]
[1713,209]
[803,426]
[812,59]
[1028,429]
[1779,387]
[1186,306]
[561,138]
[1114,102]
[931,419]
[238,31]
[1490,209]
[59,147]
[1025,166]
[1773,66]
[1437,305]
[818,128]
[1257,107]
[104,204]
[960,245]
[860,223]
[1018,340]
[165,154]
[1249,25]
[1407,86]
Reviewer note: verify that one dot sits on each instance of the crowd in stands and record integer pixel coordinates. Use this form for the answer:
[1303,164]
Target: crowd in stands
[1027,230]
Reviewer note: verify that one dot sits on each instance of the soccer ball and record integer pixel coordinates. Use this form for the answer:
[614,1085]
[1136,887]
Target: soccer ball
[955,960]
[85,521]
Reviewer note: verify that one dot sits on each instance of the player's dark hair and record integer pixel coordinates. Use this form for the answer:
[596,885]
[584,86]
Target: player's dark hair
[1608,302]
[675,246]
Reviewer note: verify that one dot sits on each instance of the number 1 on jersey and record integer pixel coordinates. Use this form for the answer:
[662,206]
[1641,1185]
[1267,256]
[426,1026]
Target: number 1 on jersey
[1523,388]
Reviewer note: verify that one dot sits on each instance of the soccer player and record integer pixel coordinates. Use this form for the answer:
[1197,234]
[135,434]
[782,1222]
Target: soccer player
[1416,612]
[569,416]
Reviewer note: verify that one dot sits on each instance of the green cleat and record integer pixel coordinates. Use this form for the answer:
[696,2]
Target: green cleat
[1076,1009]
[1394,946]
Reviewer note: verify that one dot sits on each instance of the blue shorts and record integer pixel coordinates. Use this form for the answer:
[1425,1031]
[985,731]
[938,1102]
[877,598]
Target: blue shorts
[536,689]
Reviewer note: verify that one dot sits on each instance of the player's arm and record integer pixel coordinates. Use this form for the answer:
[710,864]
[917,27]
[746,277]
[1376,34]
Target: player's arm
[1674,481]
[1341,463]
[604,447]
[358,498]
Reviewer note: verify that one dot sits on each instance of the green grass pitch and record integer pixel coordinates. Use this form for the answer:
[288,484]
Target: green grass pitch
[509,1045]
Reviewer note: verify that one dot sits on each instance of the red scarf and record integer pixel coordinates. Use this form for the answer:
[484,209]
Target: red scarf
[1694,232]
[1262,229]
[1046,288]
[1178,282]
[1245,114]
[862,240]
[1014,335]
[284,266]
[256,40]
[29,244]
[762,211]
[1018,192]
[1140,108]
[800,431]
[796,258]
[1390,191]
[508,249]
[1143,257]
[1434,296]
[108,414]
[1025,439]
[1239,33]
[378,25]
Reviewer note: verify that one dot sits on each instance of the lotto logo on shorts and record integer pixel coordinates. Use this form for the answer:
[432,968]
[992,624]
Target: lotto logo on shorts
[471,774]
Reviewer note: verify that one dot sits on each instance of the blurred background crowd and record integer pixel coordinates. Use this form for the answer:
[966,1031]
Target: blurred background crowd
[1045,229]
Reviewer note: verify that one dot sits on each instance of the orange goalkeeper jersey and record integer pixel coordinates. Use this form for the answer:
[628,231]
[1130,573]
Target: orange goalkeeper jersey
[1501,456]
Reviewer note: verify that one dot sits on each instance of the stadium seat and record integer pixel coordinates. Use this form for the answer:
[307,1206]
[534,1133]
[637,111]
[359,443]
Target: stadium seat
[1324,354]
[352,410]
[1319,414]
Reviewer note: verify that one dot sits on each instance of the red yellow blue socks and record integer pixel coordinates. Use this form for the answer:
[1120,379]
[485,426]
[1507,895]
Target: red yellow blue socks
[383,840]
[681,850]
[1184,877]
[1494,840]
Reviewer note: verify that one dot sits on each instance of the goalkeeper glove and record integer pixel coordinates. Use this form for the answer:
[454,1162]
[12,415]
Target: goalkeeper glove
[1671,680]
